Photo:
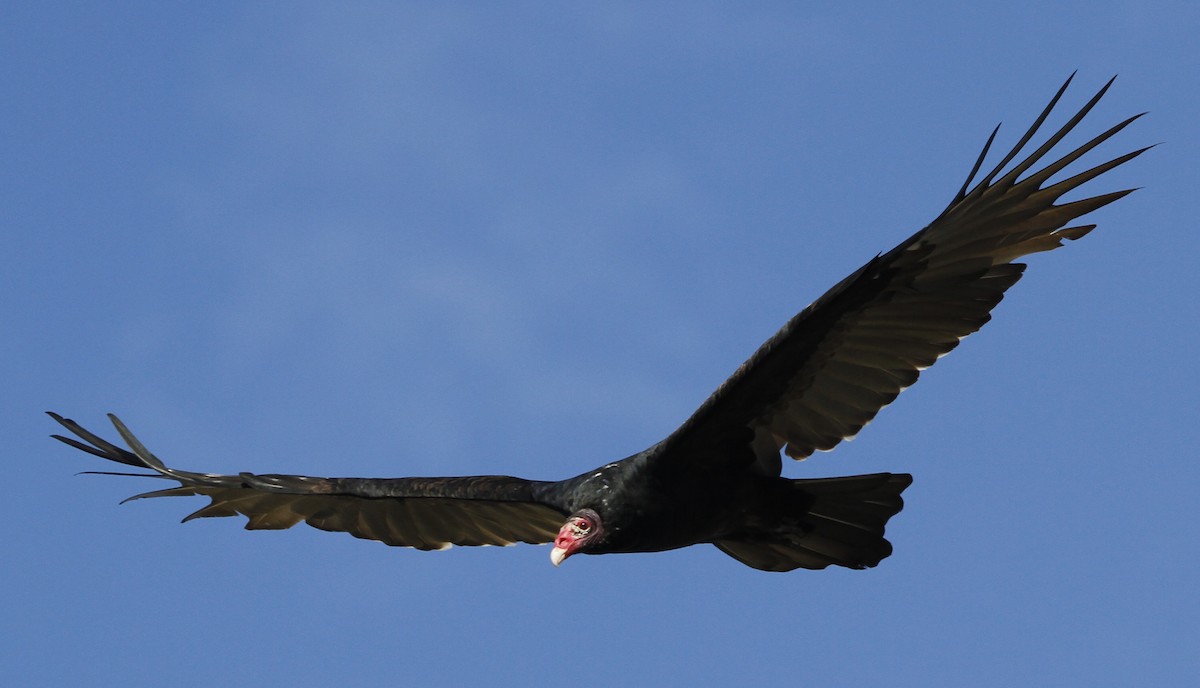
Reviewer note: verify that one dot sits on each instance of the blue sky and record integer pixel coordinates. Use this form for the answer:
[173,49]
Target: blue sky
[436,239]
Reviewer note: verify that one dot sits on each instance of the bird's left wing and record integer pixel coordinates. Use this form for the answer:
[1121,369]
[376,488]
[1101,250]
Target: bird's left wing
[425,513]
[833,366]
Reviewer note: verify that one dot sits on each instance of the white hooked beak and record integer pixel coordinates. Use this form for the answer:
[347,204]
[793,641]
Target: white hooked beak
[557,555]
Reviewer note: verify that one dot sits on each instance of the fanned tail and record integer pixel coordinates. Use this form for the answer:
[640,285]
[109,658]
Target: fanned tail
[844,525]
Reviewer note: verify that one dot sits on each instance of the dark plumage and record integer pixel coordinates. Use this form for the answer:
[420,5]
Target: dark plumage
[716,479]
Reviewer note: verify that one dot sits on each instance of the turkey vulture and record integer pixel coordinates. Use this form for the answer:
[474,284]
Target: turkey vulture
[717,478]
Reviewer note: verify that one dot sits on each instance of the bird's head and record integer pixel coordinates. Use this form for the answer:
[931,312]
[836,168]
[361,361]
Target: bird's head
[582,530]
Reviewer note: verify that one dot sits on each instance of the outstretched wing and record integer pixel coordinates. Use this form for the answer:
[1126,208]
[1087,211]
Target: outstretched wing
[425,513]
[833,366]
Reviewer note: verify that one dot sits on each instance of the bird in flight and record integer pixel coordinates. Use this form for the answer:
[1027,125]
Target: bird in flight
[717,478]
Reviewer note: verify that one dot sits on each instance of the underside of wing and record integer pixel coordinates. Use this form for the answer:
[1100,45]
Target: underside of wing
[424,513]
[833,366]
[424,523]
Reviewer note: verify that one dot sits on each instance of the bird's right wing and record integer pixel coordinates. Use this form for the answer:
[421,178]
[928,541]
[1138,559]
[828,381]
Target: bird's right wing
[425,513]
[834,365]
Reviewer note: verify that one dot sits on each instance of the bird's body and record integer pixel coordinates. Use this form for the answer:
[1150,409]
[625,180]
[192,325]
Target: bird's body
[717,478]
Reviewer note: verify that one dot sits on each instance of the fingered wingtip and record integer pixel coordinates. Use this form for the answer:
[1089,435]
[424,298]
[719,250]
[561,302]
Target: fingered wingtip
[135,444]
